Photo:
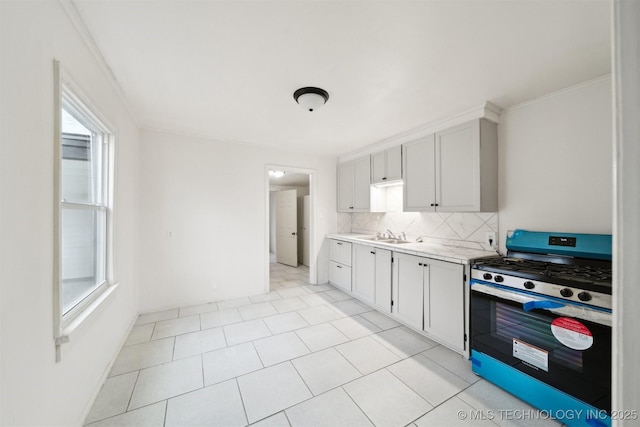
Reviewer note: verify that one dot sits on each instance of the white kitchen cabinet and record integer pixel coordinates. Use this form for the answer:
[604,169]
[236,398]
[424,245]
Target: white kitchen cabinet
[371,281]
[354,182]
[340,251]
[419,190]
[428,295]
[340,264]
[386,166]
[444,313]
[408,289]
[455,170]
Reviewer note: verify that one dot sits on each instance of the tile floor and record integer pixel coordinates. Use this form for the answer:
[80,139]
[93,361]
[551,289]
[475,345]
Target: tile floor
[301,355]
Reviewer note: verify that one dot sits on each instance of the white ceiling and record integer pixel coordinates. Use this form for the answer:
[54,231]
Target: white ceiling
[227,70]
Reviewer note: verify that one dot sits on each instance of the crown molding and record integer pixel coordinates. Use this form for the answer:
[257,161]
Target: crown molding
[487,111]
[85,35]
[564,91]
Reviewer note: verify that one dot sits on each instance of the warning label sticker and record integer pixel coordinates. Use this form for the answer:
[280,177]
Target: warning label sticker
[572,333]
[531,354]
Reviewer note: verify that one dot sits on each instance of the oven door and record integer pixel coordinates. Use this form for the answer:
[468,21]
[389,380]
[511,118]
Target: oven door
[565,345]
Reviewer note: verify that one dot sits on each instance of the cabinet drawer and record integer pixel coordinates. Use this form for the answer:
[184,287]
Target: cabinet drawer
[340,252]
[340,275]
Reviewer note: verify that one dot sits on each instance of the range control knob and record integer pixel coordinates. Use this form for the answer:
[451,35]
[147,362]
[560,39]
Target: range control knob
[529,285]
[566,292]
[487,276]
[498,279]
[584,296]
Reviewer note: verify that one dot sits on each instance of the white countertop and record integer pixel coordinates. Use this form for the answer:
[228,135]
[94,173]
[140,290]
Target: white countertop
[455,254]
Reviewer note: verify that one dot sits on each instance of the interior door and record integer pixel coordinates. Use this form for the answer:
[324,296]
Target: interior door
[287,227]
[305,229]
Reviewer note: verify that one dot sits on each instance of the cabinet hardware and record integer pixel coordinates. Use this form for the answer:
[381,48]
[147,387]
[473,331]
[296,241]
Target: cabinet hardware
[339,244]
[293,234]
[384,178]
[392,303]
[373,252]
[420,264]
[350,207]
[339,266]
[432,204]
[465,337]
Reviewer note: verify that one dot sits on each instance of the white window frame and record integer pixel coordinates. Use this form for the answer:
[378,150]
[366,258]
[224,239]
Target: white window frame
[68,96]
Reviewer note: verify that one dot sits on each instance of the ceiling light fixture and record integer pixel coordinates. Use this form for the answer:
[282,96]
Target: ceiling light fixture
[311,98]
[276,174]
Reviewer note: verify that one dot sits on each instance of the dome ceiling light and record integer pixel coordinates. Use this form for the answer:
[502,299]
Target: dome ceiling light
[311,98]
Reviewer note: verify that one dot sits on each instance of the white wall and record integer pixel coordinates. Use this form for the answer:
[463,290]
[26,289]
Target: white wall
[555,162]
[212,197]
[35,389]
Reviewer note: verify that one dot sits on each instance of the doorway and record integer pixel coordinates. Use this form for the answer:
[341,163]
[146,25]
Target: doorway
[289,225]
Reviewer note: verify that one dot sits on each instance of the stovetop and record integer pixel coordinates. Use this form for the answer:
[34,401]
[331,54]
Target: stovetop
[594,275]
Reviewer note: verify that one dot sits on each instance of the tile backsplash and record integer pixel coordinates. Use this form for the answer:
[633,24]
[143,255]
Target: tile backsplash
[463,229]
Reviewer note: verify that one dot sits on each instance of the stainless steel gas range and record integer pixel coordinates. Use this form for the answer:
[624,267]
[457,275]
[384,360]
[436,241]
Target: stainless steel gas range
[541,323]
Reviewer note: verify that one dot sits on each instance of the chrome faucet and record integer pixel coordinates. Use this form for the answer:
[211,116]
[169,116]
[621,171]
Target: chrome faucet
[390,233]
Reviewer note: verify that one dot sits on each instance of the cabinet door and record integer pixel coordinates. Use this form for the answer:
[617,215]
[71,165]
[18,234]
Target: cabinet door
[345,186]
[444,302]
[393,163]
[383,280]
[419,175]
[408,293]
[458,168]
[362,184]
[340,275]
[378,167]
[364,266]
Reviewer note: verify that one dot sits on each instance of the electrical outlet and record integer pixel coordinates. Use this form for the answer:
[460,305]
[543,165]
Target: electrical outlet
[169,234]
[490,239]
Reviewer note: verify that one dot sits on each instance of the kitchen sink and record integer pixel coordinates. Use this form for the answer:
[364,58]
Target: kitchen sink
[374,238]
[384,240]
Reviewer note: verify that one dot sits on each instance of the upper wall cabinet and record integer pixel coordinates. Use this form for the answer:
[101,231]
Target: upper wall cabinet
[386,165]
[455,170]
[354,181]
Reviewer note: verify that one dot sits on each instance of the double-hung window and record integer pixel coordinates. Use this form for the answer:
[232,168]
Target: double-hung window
[84,187]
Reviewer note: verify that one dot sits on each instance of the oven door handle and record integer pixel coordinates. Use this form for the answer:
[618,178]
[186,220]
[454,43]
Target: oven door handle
[547,305]
[585,313]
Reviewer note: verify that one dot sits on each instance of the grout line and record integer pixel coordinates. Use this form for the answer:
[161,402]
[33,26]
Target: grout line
[259,358]
[166,409]
[356,403]
[286,417]
[244,408]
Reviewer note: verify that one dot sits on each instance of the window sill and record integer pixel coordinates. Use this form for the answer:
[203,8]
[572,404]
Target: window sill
[69,330]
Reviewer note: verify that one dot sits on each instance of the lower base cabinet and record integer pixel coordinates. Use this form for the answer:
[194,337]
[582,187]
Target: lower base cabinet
[408,289]
[428,295]
[423,293]
[372,276]
[444,311]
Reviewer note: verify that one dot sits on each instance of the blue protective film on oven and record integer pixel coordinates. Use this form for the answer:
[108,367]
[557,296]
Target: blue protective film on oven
[532,305]
[593,246]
